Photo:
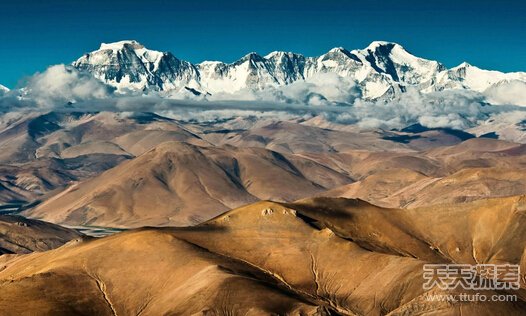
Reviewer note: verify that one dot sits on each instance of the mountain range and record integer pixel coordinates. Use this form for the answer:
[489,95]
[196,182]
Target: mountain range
[381,70]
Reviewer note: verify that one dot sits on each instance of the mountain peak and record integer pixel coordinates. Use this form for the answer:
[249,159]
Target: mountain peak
[278,53]
[382,67]
[129,66]
[251,56]
[376,44]
[120,45]
[338,50]
[463,65]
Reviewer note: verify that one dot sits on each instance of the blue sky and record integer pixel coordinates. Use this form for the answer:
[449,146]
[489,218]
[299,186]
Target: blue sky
[35,34]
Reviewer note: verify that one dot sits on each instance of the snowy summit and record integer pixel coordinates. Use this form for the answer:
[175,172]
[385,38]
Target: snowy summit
[381,70]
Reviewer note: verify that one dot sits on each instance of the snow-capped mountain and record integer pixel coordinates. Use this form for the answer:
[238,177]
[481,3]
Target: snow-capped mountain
[127,65]
[3,89]
[382,69]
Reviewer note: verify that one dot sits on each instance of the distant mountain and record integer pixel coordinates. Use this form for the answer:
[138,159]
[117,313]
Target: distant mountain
[128,65]
[382,69]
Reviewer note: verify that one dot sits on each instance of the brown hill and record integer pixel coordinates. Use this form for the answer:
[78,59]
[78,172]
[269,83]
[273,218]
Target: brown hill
[481,153]
[161,187]
[379,188]
[180,184]
[290,137]
[317,257]
[43,152]
[407,188]
[140,273]
[483,231]
[22,235]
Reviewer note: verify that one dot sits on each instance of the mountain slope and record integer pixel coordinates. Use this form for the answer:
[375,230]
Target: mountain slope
[141,273]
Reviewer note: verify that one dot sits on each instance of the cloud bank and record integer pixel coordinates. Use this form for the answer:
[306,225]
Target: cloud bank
[62,83]
[51,89]
[337,99]
[321,90]
[508,92]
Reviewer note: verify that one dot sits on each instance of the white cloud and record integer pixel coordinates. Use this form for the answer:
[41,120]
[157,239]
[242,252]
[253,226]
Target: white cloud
[60,84]
[456,109]
[320,90]
[335,98]
[508,92]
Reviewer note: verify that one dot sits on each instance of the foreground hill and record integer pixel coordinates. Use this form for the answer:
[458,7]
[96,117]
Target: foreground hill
[22,235]
[317,257]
